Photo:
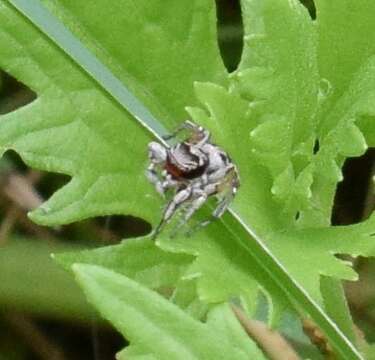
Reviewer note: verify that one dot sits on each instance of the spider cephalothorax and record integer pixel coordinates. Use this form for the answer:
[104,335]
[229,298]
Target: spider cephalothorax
[195,169]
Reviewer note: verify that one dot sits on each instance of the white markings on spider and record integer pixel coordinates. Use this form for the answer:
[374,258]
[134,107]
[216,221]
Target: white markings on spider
[194,169]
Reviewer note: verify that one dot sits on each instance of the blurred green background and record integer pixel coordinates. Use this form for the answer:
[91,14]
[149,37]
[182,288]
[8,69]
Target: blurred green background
[43,314]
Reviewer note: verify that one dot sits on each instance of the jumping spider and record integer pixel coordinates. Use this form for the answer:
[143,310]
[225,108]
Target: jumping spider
[195,169]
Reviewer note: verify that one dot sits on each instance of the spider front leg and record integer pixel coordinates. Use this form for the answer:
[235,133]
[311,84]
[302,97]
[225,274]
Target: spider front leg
[179,198]
[199,134]
[158,156]
[154,178]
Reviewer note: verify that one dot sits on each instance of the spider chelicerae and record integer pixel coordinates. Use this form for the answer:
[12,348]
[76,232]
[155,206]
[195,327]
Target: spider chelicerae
[194,169]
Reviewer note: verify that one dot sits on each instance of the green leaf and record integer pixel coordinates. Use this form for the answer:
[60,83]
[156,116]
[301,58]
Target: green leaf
[138,259]
[336,305]
[159,329]
[185,296]
[72,107]
[102,183]
[76,128]
[157,54]
[344,26]
[354,45]
[318,246]
[370,352]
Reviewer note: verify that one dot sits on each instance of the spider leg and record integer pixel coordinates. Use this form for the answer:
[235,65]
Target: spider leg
[157,154]
[169,182]
[218,212]
[154,178]
[186,125]
[228,186]
[194,128]
[161,182]
[180,197]
[199,196]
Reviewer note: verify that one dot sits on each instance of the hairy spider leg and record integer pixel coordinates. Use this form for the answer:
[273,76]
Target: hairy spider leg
[196,129]
[154,178]
[186,125]
[228,186]
[199,197]
[157,154]
[179,198]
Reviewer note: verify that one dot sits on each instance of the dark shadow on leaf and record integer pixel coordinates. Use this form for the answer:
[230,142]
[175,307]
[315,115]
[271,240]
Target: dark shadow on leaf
[11,161]
[316,146]
[230,32]
[310,5]
[77,339]
[121,226]
[13,94]
[354,199]
[51,182]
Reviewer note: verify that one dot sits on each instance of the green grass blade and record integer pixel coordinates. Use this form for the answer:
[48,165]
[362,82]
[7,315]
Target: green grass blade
[267,263]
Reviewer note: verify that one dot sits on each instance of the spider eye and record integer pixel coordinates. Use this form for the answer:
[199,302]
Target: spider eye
[223,158]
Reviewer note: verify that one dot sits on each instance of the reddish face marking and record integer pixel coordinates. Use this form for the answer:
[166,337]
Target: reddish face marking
[177,173]
[173,170]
